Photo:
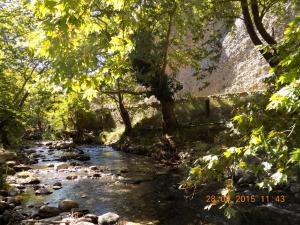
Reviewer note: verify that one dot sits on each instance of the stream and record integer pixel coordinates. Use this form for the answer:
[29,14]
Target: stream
[132,186]
[129,185]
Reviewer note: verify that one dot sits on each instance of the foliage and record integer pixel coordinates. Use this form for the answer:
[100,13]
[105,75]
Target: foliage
[267,148]
[16,68]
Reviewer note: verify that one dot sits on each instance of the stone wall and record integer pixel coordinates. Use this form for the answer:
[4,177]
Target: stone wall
[240,68]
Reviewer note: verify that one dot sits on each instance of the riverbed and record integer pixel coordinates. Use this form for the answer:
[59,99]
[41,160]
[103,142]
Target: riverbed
[111,181]
[135,187]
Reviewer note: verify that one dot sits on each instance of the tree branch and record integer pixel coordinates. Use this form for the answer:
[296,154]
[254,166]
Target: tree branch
[259,25]
[252,33]
[116,92]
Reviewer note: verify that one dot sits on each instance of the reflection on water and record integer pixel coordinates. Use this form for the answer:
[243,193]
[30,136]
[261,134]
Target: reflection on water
[144,193]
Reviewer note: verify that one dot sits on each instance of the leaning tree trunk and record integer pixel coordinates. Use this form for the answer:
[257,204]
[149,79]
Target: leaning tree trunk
[269,56]
[124,114]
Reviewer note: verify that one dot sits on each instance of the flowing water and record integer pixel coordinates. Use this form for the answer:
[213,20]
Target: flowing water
[130,185]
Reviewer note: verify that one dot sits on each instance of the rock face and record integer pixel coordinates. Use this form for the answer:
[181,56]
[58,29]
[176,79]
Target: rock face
[108,219]
[48,211]
[67,204]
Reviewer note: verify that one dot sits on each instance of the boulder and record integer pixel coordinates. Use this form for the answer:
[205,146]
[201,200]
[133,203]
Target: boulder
[19,168]
[71,177]
[23,175]
[10,171]
[79,212]
[12,217]
[11,163]
[14,191]
[93,217]
[4,193]
[57,187]
[94,168]
[108,219]
[83,157]
[97,175]
[7,156]
[3,206]
[84,223]
[67,204]
[48,211]
[57,184]
[13,200]
[31,180]
[61,166]
[65,145]
[43,191]
[124,171]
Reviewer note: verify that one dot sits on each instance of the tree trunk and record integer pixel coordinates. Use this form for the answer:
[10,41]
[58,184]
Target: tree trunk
[269,57]
[123,111]
[259,25]
[170,123]
[125,117]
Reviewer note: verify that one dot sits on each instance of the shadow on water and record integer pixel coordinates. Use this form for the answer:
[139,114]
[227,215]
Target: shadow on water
[144,193]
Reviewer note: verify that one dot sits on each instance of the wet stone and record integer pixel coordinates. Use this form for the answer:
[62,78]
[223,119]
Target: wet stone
[92,217]
[48,211]
[67,204]
[43,191]
[19,168]
[108,219]
[71,177]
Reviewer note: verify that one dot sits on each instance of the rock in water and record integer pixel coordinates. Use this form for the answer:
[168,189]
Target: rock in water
[3,206]
[48,211]
[11,163]
[31,180]
[43,191]
[61,166]
[67,204]
[93,217]
[7,156]
[84,223]
[57,184]
[108,219]
[20,168]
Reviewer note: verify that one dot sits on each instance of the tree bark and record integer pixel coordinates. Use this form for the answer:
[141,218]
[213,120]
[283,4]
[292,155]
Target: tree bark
[123,111]
[170,124]
[22,101]
[125,116]
[269,57]
[259,25]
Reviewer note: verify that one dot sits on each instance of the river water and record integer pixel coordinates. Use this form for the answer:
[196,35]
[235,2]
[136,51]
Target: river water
[131,186]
